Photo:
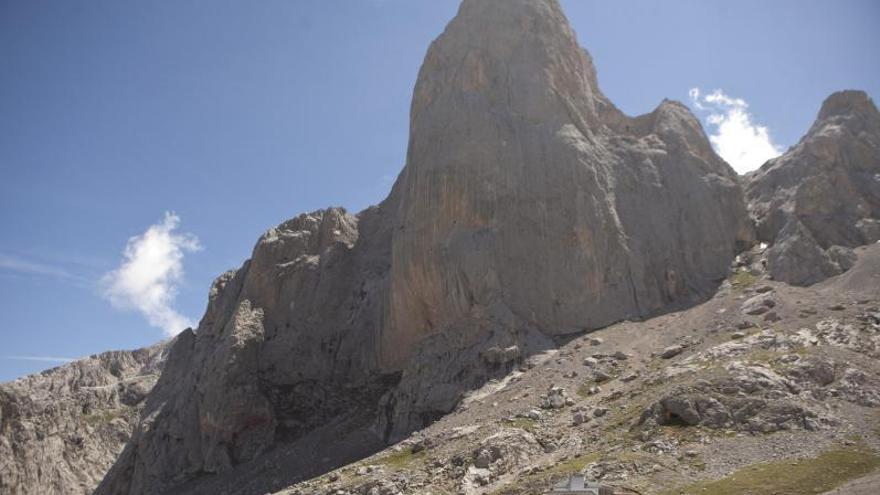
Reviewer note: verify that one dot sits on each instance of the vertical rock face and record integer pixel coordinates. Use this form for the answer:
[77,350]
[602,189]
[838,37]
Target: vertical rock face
[528,200]
[823,195]
[61,430]
[529,208]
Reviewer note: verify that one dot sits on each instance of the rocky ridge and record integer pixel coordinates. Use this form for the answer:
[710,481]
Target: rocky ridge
[822,197]
[62,429]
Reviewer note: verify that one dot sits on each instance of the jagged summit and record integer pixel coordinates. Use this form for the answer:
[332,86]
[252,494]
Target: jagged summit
[822,197]
[519,57]
[848,103]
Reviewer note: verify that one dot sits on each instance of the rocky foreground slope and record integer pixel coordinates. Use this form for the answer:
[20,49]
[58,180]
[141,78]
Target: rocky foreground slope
[61,430]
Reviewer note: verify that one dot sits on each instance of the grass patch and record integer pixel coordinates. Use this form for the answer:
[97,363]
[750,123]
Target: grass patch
[527,424]
[792,477]
[762,356]
[772,358]
[102,417]
[401,460]
[572,465]
[583,390]
[742,280]
[877,424]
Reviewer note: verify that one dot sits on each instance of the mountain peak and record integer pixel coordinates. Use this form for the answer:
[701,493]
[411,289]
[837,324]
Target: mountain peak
[517,14]
[520,57]
[847,102]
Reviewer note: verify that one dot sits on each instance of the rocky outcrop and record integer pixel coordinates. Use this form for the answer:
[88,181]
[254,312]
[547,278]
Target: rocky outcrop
[822,197]
[288,345]
[752,398]
[529,208]
[61,430]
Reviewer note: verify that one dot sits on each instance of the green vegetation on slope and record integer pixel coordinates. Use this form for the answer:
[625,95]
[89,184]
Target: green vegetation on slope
[792,477]
[742,280]
[402,459]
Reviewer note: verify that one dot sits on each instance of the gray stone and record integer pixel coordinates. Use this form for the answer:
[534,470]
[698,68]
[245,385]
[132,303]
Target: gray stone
[630,377]
[758,305]
[744,325]
[600,376]
[483,459]
[671,351]
[772,317]
[555,399]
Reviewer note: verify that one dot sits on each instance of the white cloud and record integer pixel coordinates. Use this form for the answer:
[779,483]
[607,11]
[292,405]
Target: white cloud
[150,272]
[734,134]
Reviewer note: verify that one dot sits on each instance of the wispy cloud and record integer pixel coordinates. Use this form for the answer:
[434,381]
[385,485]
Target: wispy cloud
[45,359]
[737,138]
[20,265]
[151,270]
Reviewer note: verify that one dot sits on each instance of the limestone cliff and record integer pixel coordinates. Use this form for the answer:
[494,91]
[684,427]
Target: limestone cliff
[529,208]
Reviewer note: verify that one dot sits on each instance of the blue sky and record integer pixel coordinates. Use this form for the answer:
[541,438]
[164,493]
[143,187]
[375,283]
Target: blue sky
[235,116]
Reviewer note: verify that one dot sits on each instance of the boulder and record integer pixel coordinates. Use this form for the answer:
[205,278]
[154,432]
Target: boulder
[758,305]
[556,398]
[671,351]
